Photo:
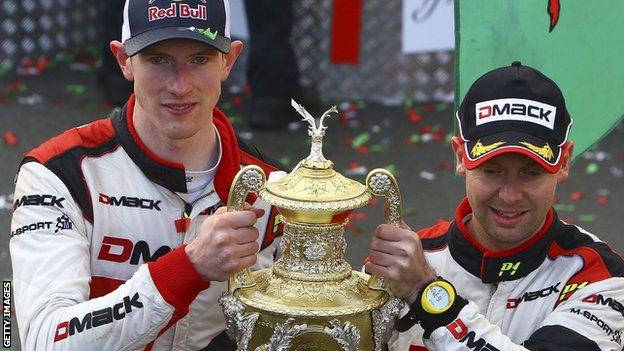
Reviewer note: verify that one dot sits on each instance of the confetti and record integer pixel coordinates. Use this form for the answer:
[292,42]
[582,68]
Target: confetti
[592,168]
[427,175]
[564,207]
[587,218]
[576,196]
[10,138]
[360,140]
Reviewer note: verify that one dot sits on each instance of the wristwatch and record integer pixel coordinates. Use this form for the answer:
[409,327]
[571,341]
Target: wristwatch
[437,305]
[437,297]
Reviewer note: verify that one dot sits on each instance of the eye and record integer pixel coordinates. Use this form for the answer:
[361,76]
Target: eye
[200,60]
[159,60]
[491,171]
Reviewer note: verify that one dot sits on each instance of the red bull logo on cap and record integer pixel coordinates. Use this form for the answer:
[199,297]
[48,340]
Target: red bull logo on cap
[155,13]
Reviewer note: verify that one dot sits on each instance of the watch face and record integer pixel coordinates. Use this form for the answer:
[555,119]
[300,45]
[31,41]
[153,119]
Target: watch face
[438,297]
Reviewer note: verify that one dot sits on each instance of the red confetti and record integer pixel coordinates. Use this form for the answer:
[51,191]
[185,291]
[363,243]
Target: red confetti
[10,138]
[576,196]
[362,150]
[237,100]
[354,165]
[439,135]
[429,107]
[349,141]
[373,201]
[414,116]
[426,129]
[602,200]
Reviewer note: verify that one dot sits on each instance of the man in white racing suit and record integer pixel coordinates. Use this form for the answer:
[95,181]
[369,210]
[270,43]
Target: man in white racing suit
[507,273]
[120,240]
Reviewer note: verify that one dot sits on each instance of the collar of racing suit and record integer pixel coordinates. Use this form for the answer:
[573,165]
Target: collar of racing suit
[171,175]
[496,266]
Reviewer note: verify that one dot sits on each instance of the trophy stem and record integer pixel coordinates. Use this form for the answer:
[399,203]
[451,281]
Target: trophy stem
[313,252]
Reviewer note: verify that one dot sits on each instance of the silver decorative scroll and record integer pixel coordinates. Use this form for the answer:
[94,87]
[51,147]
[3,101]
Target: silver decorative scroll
[249,179]
[380,182]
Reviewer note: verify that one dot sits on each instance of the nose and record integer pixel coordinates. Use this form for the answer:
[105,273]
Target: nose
[180,84]
[511,190]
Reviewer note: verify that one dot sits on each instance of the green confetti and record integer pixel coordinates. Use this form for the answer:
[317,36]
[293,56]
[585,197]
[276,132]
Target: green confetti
[237,119]
[592,168]
[226,106]
[435,128]
[361,105]
[409,103]
[379,148]
[564,207]
[77,89]
[414,138]
[409,211]
[360,140]
[286,160]
[441,107]
[587,218]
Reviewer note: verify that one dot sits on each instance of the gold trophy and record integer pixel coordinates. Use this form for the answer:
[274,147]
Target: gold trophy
[311,299]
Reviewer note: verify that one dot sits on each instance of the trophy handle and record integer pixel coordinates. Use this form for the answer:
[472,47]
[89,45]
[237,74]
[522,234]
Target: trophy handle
[249,179]
[380,182]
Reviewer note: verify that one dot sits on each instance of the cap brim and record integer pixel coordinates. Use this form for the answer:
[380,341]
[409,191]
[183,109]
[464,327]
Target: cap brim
[479,151]
[151,37]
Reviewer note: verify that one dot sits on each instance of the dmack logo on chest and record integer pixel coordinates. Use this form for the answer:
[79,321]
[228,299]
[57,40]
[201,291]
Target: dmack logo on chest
[155,13]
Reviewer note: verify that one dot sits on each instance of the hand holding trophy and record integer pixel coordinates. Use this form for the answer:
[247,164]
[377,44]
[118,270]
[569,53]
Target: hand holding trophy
[311,299]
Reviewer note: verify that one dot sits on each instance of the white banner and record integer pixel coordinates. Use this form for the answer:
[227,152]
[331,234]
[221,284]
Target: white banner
[428,25]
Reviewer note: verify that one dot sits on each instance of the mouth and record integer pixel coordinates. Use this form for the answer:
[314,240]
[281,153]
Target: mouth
[179,108]
[507,218]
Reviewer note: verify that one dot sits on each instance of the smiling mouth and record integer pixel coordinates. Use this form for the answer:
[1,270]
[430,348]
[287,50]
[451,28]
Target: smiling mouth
[179,108]
[508,214]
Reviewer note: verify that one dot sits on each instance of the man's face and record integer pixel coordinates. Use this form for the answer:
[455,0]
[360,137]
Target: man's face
[177,84]
[510,196]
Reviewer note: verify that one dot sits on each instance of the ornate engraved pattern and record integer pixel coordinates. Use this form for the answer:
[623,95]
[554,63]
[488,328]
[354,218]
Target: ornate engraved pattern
[381,183]
[248,179]
[383,322]
[313,252]
[307,206]
[347,335]
[239,326]
[283,336]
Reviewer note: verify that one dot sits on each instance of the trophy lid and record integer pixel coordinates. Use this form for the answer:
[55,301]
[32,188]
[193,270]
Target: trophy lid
[314,185]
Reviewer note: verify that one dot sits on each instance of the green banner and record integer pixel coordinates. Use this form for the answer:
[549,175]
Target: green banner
[577,43]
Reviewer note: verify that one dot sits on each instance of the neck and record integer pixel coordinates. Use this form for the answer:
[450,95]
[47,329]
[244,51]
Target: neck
[197,152]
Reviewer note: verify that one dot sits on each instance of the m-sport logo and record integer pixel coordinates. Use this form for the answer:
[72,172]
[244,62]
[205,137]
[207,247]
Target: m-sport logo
[127,201]
[97,318]
[516,110]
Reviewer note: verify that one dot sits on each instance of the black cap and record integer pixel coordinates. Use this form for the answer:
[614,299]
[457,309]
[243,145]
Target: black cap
[514,109]
[148,22]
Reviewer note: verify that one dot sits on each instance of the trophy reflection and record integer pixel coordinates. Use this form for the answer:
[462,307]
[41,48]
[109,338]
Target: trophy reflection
[311,299]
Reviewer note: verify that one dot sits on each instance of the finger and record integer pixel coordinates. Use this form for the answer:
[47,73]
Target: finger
[241,219]
[247,261]
[244,250]
[246,235]
[391,232]
[383,259]
[398,248]
[376,269]
[259,212]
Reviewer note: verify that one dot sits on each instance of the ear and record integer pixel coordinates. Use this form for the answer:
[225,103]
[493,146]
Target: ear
[458,148]
[236,49]
[564,171]
[123,59]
